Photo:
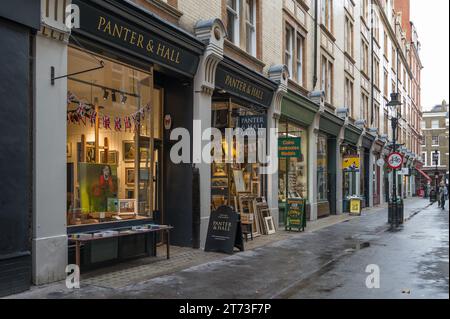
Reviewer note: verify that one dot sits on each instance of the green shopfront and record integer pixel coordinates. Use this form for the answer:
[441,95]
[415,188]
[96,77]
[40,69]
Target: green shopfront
[352,177]
[327,146]
[297,115]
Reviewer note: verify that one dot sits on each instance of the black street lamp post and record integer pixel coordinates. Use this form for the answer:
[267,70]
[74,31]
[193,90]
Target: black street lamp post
[394,206]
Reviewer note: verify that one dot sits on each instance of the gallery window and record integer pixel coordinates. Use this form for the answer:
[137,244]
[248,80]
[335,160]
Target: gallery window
[230,178]
[113,122]
[293,172]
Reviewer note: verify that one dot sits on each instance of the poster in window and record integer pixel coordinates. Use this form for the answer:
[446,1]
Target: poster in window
[98,185]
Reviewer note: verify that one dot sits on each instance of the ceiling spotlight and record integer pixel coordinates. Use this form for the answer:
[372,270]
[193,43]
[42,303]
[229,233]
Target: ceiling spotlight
[113,96]
[124,99]
[105,95]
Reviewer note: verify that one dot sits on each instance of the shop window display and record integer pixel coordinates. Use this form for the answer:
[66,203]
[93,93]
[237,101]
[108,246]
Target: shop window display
[229,180]
[293,171]
[113,123]
[322,168]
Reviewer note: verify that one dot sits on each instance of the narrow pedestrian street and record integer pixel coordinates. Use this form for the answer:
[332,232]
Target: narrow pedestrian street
[328,263]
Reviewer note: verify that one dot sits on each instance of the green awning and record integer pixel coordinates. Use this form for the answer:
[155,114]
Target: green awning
[298,109]
[330,123]
[352,134]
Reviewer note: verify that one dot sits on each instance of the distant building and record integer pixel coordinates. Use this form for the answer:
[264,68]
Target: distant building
[435,142]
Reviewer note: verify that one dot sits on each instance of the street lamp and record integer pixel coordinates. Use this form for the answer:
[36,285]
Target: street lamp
[436,175]
[393,207]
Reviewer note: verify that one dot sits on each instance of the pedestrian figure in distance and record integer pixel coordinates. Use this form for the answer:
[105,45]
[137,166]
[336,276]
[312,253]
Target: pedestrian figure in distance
[443,193]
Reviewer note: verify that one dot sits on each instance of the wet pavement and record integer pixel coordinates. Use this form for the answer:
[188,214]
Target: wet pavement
[329,263]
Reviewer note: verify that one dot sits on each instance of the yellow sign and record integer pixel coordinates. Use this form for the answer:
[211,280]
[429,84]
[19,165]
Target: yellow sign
[355,207]
[351,163]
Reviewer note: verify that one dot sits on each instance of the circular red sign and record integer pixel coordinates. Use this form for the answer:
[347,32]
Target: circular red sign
[395,160]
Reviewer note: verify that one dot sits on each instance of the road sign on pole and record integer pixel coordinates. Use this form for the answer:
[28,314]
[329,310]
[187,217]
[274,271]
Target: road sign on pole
[395,160]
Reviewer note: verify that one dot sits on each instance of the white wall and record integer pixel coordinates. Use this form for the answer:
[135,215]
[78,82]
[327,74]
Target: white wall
[49,217]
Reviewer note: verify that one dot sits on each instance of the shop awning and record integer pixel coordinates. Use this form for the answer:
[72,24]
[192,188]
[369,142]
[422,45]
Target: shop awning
[424,174]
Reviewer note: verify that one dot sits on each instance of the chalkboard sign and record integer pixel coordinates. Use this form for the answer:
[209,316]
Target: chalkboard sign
[224,231]
[295,218]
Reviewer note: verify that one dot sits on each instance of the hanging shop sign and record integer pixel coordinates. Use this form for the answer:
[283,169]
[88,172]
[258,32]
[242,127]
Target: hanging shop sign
[395,160]
[296,214]
[351,163]
[289,147]
[224,231]
[243,87]
[97,24]
[252,122]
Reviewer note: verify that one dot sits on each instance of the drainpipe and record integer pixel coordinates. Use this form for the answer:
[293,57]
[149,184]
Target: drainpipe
[316,30]
[372,69]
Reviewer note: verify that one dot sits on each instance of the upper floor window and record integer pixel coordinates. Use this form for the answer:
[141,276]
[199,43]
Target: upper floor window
[349,95]
[242,24]
[233,26]
[327,14]
[435,141]
[365,57]
[289,49]
[435,124]
[300,56]
[348,36]
[365,10]
[250,22]
[327,79]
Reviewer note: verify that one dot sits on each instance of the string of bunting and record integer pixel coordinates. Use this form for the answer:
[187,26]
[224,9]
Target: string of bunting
[85,113]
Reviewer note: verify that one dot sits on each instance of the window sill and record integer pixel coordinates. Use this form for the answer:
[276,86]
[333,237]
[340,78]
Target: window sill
[297,87]
[328,32]
[166,8]
[233,50]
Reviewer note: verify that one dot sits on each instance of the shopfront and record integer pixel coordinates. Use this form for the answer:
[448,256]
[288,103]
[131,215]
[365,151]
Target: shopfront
[240,102]
[377,177]
[327,152]
[367,169]
[126,76]
[297,114]
[351,166]
[18,28]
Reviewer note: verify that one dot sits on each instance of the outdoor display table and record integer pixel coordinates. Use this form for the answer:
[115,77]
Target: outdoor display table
[80,239]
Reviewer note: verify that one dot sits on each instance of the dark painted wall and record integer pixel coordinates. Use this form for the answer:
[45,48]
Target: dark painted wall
[24,12]
[177,178]
[15,158]
[332,174]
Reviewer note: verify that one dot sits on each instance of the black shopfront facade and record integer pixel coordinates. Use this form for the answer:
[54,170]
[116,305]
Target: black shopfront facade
[241,99]
[17,32]
[146,61]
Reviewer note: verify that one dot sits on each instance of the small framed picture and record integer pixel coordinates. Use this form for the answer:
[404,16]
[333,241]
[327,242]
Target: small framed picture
[113,157]
[129,151]
[269,225]
[130,176]
[219,169]
[90,152]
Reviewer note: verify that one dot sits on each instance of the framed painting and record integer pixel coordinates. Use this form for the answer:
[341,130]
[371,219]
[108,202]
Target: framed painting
[129,151]
[113,157]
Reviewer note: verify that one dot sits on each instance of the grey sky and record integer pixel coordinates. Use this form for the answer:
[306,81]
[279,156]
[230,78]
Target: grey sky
[431,18]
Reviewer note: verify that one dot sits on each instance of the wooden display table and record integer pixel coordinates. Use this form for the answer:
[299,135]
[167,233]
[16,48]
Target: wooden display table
[163,229]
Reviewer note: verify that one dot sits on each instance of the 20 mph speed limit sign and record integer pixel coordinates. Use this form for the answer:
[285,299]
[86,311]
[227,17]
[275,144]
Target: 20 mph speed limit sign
[395,160]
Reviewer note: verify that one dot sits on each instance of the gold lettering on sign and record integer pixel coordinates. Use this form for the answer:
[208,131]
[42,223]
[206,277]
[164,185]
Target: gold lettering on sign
[137,39]
[244,87]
